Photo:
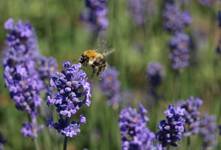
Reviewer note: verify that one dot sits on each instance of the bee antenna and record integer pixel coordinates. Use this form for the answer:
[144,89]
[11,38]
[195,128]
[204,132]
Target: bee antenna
[108,52]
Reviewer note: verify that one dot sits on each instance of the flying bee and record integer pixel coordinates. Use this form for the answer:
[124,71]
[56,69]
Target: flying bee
[94,59]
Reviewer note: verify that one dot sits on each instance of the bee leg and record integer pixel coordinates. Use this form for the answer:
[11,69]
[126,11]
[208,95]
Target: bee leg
[98,72]
[101,69]
[92,74]
[93,69]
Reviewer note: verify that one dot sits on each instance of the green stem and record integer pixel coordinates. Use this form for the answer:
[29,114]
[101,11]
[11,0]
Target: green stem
[188,143]
[33,121]
[36,143]
[65,143]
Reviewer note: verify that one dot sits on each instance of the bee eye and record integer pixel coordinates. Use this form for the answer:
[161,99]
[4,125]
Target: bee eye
[81,59]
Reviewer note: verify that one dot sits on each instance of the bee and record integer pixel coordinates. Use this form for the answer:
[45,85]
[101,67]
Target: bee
[94,59]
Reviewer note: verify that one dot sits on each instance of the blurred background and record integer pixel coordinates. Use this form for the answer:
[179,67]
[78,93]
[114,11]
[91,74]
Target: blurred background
[63,35]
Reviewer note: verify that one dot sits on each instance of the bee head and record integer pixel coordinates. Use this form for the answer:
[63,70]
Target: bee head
[83,60]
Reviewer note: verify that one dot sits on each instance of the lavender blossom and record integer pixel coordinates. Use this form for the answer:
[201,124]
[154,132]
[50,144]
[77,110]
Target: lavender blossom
[207,2]
[219,18]
[134,133]
[179,46]
[218,48]
[20,75]
[21,40]
[24,86]
[191,115]
[207,131]
[71,91]
[155,74]
[219,127]
[171,129]
[46,66]
[110,86]
[2,142]
[174,19]
[140,10]
[96,14]
[31,129]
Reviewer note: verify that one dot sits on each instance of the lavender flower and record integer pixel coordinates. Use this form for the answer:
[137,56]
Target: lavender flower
[134,133]
[24,86]
[2,142]
[127,97]
[110,86]
[31,129]
[174,19]
[219,18]
[20,75]
[155,74]
[140,10]
[21,40]
[171,130]
[207,2]
[71,91]
[96,14]
[179,45]
[46,66]
[191,115]
[157,147]
[218,48]
[219,127]
[207,131]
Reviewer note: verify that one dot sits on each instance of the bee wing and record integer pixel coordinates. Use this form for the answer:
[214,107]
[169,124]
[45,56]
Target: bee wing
[102,44]
[108,52]
[103,47]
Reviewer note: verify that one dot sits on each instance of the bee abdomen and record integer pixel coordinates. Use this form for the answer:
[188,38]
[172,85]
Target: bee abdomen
[99,66]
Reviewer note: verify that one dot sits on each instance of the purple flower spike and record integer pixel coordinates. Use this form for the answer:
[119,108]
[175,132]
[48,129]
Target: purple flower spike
[134,133]
[24,86]
[191,115]
[20,74]
[96,14]
[207,2]
[9,24]
[219,18]
[155,73]
[71,130]
[46,67]
[174,19]
[71,91]
[179,46]
[2,142]
[219,127]
[187,19]
[140,10]
[31,129]
[110,85]
[207,131]
[82,119]
[218,48]
[27,130]
[171,129]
